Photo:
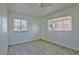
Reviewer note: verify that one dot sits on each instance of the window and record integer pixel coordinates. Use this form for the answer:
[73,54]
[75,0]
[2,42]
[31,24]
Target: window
[60,24]
[3,24]
[20,25]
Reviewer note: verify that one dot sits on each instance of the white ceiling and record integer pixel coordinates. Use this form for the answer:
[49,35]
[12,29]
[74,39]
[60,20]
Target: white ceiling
[34,9]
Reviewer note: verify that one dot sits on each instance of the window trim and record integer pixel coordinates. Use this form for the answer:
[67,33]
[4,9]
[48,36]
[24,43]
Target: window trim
[59,19]
[20,30]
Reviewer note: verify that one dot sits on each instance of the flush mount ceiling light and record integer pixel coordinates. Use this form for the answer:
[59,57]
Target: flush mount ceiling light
[44,4]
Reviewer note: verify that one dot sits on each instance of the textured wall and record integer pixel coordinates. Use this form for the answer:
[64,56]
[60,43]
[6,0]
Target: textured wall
[19,37]
[67,39]
[3,34]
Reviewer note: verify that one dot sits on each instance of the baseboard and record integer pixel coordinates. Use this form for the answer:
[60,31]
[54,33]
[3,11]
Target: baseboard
[58,44]
[44,39]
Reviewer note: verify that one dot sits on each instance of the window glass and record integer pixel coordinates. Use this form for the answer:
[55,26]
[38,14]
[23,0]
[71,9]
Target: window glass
[60,24]
[20,25]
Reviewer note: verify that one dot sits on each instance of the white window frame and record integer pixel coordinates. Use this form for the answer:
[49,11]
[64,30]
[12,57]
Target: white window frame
[62,19]
[21,26]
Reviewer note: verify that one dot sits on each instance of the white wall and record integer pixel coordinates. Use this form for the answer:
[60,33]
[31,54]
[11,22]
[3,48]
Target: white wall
[3,35]
[20,37]
[66,39]
[38,28]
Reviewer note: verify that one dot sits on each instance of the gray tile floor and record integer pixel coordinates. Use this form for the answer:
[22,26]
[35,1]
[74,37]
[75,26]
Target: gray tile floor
[39,47]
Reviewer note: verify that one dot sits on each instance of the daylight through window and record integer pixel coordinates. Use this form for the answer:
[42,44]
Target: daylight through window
[60,24]
[20,25]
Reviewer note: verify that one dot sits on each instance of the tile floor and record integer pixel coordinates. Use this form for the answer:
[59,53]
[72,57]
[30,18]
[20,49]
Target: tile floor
[39,47]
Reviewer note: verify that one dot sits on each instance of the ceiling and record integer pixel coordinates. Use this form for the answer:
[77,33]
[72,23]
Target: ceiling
[35,9]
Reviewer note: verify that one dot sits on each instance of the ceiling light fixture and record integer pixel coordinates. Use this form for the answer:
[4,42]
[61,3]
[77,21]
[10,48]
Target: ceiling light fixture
[44,4]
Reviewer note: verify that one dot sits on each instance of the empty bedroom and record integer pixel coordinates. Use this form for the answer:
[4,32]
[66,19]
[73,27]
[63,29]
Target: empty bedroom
[39,28]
